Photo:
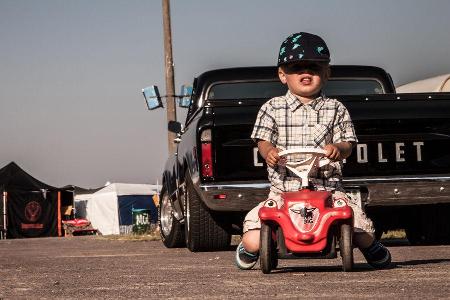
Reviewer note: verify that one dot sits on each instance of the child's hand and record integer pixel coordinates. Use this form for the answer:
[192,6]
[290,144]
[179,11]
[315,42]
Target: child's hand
[272,157]
[332,152]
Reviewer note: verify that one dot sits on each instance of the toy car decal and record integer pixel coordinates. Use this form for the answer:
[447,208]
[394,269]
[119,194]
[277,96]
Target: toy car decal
[304,216]
[270,203]
[339,202]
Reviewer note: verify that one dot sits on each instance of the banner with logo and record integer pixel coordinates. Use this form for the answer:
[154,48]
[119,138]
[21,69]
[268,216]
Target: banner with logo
[32,213]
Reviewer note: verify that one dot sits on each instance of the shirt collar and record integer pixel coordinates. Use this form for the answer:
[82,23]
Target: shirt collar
[294,103]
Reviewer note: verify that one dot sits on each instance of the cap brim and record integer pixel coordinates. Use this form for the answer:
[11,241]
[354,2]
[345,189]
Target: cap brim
[325,60]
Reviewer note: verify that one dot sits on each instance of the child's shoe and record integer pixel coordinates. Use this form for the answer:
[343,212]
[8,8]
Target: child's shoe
[377,255]
[245,260]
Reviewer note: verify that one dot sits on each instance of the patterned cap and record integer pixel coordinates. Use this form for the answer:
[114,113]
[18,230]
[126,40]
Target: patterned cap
[303,46]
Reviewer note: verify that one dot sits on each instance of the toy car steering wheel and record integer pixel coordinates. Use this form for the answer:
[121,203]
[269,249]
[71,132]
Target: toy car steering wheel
[303,168]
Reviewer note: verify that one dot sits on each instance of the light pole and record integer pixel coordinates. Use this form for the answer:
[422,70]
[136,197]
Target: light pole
[169,74]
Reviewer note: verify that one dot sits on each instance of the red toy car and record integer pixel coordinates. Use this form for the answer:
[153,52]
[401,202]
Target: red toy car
[309,223]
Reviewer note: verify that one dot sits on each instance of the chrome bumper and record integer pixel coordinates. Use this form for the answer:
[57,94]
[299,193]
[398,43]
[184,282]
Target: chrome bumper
[397,191]
[239,196]
[380,191]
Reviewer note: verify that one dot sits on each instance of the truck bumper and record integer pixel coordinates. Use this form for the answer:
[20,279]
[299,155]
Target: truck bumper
[380,191]
[399,191]
[233,196]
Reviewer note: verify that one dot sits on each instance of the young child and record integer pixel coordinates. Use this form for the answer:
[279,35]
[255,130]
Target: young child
[305,117]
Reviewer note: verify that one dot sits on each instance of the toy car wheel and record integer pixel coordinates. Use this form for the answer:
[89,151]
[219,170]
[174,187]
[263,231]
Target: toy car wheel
[346,247]
[171,230]
[267,253]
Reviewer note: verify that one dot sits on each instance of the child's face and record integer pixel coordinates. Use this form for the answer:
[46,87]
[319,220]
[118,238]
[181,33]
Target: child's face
[304,79]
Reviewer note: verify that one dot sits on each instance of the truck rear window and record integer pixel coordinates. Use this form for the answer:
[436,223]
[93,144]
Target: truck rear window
[269,89]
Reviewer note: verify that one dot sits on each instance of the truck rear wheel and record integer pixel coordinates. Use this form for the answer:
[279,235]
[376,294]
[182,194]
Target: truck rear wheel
[171,229]
[429,226]
[202,231]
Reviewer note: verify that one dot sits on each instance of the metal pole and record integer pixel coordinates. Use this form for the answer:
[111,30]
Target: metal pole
[4,214]
[170,81]
[59,214]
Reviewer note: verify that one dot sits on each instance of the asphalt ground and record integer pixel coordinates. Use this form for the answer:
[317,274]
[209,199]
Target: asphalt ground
[95,267]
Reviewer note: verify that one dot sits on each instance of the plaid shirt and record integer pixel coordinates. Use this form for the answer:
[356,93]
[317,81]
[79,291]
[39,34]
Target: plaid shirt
[287,123]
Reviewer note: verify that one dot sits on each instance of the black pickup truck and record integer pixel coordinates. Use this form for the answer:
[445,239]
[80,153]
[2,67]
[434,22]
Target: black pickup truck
[399,170]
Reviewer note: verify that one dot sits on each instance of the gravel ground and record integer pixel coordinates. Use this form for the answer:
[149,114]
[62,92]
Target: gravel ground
[94,267]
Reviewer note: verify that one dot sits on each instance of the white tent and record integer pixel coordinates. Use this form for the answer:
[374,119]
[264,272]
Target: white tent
[110,209]
[434,84]
[80,200]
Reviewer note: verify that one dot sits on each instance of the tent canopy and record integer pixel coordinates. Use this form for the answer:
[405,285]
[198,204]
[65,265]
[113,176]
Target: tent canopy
[110,209]
[31,206]
[434,84]
[13,177]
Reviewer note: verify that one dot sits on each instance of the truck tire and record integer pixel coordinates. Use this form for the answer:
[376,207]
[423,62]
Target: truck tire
[430,226]
[346,247]
[415,235]
[202,231]
[171,230]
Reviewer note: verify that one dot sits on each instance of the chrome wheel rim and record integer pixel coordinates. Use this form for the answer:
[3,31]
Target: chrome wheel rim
[187,212]
[166,215]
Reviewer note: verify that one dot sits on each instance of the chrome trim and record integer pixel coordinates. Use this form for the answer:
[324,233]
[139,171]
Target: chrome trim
[239,199]
[228,186]
[234,186]
[166,217]
[383,191]
[394,179]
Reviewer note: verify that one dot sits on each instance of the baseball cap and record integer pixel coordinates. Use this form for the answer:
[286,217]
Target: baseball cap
[303,46]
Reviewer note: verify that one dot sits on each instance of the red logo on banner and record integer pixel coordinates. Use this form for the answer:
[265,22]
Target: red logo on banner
[33,211]
[31,226]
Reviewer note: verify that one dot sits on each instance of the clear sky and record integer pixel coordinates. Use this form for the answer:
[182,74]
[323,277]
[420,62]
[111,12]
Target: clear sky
[71,72]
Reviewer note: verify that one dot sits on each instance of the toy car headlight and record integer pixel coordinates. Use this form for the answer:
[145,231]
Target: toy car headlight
[339,203]
[270,203]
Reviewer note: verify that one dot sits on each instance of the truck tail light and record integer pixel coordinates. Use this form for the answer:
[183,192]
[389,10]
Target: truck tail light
[207,162]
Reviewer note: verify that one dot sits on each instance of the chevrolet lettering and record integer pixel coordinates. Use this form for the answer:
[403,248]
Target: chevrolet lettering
[362,156]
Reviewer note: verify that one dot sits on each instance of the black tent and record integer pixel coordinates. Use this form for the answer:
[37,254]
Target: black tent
[30,208]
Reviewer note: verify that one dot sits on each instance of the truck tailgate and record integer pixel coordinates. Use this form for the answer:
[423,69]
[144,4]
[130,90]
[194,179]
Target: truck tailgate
[236,156]
[397,137]
[400,137]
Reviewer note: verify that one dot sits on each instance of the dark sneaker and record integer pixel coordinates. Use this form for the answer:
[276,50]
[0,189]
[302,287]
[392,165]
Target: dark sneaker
[377,255]
[245,260]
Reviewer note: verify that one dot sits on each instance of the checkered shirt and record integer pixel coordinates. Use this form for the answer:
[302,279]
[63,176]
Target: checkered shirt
[287,123]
